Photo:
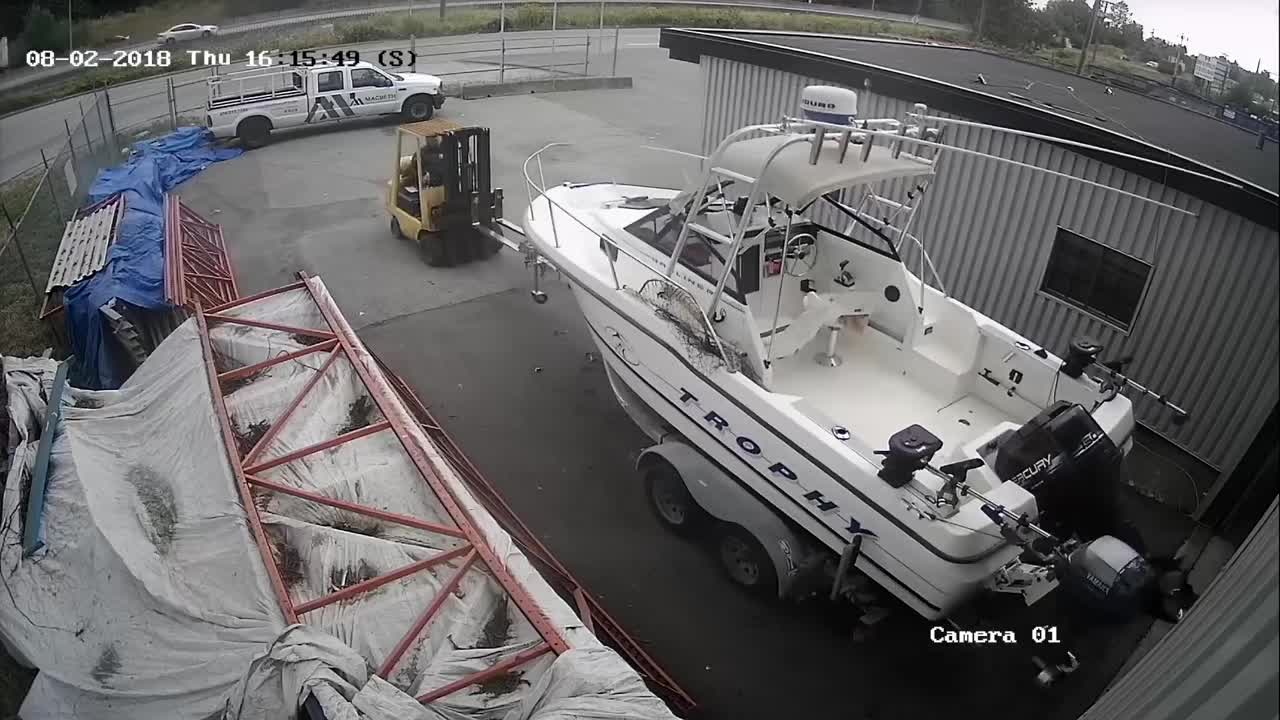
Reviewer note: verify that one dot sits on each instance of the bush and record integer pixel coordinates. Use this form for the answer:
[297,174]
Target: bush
[44,31]
[530,17]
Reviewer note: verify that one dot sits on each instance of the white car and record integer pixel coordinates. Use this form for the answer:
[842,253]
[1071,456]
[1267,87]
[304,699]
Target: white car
[185,31]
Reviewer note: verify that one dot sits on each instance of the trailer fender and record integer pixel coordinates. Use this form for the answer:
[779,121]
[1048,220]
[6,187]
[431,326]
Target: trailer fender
[725,499]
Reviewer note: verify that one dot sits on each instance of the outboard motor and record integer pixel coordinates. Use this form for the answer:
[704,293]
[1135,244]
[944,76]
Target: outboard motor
[1108,577]
[1072,468]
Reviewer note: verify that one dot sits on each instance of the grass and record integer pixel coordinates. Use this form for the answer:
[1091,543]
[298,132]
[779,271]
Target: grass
[465,22]
[1108,57]
[21,333]
[146,21]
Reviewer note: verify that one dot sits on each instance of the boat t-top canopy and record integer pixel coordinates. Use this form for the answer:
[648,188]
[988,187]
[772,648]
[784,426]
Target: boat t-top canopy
[792,177]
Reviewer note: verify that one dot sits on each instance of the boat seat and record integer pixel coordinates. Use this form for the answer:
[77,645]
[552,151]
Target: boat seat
[820,311]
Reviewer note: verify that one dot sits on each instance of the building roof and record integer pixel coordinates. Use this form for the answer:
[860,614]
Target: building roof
[1023,96]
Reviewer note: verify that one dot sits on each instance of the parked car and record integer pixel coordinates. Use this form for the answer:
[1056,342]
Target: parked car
[186,31]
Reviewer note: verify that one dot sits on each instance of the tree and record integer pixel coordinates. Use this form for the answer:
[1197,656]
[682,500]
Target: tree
[43,31]
[1117,15]
[1068,19]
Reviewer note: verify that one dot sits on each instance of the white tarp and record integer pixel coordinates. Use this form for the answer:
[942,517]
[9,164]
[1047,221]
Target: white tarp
[150,599]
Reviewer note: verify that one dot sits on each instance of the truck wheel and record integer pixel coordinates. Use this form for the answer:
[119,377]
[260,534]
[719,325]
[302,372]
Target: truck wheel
[670,499]
[745,561]
[254,132]
[432,247]
[418,108]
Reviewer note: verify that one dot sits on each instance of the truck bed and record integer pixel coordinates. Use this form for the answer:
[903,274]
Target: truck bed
[241,88]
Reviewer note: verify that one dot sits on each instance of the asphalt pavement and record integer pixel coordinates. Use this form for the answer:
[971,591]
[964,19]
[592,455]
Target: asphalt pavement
[522,389]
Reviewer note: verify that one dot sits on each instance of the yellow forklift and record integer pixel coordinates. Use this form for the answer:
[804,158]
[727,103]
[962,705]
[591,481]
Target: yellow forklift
[441,195]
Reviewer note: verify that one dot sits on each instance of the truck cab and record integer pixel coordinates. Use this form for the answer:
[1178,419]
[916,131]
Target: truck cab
[251,104]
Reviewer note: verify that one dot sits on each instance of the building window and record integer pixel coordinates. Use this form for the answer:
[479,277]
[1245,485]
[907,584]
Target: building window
[1095,278]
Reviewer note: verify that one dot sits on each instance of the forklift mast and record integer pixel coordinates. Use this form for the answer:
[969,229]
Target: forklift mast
[470,199]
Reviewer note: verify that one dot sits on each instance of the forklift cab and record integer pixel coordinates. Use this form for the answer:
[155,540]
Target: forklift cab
[440,193]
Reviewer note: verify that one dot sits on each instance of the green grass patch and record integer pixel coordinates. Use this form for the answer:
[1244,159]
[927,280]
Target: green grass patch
[399,26]
[39,233]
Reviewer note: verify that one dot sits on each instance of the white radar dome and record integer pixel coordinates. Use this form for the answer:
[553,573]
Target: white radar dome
[825,103]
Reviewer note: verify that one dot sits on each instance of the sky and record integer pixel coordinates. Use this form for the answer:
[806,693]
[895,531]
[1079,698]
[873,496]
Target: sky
[1243,30]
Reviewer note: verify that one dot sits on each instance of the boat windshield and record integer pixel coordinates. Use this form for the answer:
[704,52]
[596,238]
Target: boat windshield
[661,229]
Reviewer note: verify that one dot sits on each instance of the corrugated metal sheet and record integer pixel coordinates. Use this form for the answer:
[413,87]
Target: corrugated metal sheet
[1220,662]
[85,240]
[1206,333]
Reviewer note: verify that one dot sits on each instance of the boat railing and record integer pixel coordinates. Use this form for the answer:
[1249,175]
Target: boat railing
[540,185]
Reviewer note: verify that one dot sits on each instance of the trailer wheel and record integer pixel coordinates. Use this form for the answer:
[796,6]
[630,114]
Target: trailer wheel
[254,132]
[745,561]
[670,499]
[433,249]
[418,108]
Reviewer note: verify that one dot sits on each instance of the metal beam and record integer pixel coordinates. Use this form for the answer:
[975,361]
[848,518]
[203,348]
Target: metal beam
[308,332]
[31,541]
[377,582]
[373,512]
[248,370]
[246,495]
[320,446]
[436,603]
[501,668]
[410,437]
[278,424]
[255,297]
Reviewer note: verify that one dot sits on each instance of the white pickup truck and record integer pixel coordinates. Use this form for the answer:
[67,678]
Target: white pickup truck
[251,103]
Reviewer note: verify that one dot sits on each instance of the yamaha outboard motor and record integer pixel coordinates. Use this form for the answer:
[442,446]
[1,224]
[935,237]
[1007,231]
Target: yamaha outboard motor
[1107,576]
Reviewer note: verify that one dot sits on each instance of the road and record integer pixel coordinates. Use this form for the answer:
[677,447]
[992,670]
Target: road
[23,135]
[19,77]
[522,389]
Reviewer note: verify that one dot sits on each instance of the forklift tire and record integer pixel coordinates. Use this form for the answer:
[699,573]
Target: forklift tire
[254,132]
[418,108]
[670,499]
[395,228]
[434,250]
[745,561]
[489,247]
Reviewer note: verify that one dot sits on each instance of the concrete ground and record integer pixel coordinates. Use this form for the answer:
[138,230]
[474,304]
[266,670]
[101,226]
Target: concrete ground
[521,388]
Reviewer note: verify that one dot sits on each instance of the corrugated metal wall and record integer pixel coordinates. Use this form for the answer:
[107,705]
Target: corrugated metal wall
[1220,662]
[1207,331]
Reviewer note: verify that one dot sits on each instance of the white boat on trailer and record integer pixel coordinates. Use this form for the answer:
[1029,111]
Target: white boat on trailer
[845,417]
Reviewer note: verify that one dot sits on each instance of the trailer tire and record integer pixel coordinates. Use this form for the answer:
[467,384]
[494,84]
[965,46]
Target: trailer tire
[745,561]
[254,132]
[418,108]
[670,499]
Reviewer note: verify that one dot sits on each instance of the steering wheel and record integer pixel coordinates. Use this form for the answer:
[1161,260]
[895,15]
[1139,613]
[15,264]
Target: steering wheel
[791,262]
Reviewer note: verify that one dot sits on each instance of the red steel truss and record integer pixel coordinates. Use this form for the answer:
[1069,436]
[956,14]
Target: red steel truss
[340,340]
[196,267]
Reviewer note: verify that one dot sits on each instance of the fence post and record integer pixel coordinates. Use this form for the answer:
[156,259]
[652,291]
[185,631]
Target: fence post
[502,17]
[586,56]
[52,193]
[71,145]
[173,105]
[22,257]
[111,118]
[85,127]
[102,125]
[413,51]
[555,14]
[616,34]
[502,61]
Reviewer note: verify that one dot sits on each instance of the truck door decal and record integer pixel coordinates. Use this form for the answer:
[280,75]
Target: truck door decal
[334,107]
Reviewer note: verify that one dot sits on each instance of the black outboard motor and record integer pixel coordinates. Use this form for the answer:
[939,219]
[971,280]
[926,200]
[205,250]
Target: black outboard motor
[1073,469]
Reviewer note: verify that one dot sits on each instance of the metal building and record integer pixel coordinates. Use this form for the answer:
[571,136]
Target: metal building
[1193,298]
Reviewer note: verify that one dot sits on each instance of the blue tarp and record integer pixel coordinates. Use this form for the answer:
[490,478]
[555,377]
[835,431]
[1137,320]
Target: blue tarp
[134,271]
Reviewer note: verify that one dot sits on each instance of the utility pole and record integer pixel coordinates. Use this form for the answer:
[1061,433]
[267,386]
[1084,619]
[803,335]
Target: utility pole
[442,4]
[982,17]
[1177,59]
[1093,21]
[70,44]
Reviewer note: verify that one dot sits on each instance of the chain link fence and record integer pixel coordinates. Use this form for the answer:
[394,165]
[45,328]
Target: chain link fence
[34,210]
